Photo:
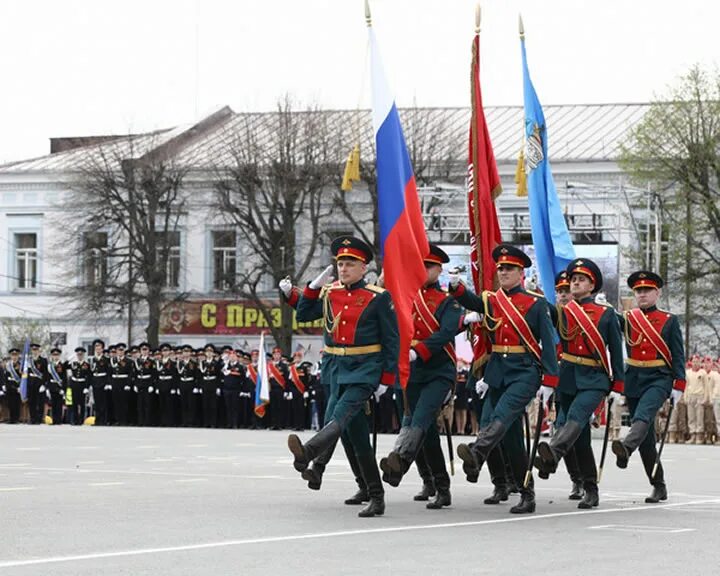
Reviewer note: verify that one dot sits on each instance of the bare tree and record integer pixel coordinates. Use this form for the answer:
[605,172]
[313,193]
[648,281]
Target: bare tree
[127,203]
[272,192]
[434,152]
[676,149]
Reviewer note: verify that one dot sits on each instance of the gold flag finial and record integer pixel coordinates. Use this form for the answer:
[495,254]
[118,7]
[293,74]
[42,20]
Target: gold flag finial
[478,15]
[368,16]
[521,28]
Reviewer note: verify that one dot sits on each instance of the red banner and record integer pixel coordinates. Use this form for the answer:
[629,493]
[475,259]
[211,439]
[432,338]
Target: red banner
[227,317]
[483,185]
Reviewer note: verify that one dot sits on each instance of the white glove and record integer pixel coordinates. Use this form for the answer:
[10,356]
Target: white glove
[379,392]
[285,394]
[413,355]
[195,390]
[454,279]
[108,387]
[324,277]
[306,395]
[676,395]
[481,387]
[127,388]
[135,389]
[544,394]
[615,397]
[178,391]
[172,392]
[151,389]
[472,317]
[42,389]
[2,393]
[217,392]
[85,390]
[285,285]
[290,396]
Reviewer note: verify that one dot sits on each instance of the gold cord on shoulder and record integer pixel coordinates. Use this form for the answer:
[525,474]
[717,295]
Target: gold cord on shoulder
[495,321]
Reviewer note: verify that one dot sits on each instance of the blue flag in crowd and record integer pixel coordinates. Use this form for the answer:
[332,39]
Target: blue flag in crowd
[553,248]
[25,368]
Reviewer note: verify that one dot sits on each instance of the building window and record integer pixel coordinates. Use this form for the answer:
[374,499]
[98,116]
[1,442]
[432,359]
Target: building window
[224,257]
[95,258]
[26,256]
[170,239]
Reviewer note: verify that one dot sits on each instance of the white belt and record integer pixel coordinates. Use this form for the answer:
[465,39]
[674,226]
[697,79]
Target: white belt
[101,374]
[165,377]
[120,375]
[78,379]
[144,376]
[186,379]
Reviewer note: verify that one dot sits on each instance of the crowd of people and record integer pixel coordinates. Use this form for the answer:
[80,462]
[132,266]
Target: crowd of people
[170,386]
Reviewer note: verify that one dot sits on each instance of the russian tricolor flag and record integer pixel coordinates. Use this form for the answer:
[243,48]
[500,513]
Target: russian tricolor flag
[262,385]
[403,240]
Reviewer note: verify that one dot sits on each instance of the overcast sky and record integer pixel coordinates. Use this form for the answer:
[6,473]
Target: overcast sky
[113,66]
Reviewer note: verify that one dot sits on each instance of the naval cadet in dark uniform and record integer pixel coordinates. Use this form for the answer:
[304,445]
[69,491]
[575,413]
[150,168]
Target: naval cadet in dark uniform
[101,386]
[655,371]
[37,378]
[167,385]
[121,368]
[437,318]
[145,373]
[522,358]
[587,329]
[79,381]
[56,385]
[13,376]
[361,351]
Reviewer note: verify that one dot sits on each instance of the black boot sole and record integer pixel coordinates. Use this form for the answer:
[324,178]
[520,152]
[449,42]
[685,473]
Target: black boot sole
[576,497]
[470,467]
[492,500]
[621,454]
[372,511]
[313,479]
[439,503]
[527,508]
[295,445]
[545,461]
[588,505]
[389,476]
[424,497]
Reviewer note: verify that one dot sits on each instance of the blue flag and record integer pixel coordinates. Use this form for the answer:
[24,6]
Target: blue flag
[553,248]
[25,363]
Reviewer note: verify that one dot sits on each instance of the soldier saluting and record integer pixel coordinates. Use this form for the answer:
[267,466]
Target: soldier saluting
[522,357]
[655,370]
[588,330]
[361,351]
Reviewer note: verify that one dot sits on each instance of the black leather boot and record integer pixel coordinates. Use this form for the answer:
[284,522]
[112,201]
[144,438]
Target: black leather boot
[442,499]
[527,501]
[423,468]
[360,496]
[323,440]
[474,455]
[398,462]
[500,494]
[591,498]
[550,454]
[659,493]
[313,474]
[427,492]
[577,492]
[625,447]
[376,493]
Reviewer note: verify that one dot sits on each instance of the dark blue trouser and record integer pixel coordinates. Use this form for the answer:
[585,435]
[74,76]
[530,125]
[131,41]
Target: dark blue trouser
[579,407]
[644,409]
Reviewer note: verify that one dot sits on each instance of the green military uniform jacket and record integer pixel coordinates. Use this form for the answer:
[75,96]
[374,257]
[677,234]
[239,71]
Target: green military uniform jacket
[361,332]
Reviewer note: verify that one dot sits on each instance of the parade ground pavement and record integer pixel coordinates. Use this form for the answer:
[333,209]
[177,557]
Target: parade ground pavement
[136,501]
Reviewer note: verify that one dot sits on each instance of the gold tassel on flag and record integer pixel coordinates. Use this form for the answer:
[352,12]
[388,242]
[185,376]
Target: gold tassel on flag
[352,169]
[520,177]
